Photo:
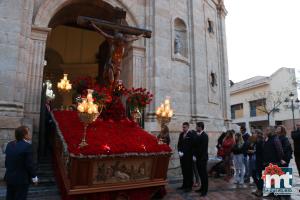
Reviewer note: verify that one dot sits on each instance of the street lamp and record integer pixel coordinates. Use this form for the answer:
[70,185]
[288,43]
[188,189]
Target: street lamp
[294,105]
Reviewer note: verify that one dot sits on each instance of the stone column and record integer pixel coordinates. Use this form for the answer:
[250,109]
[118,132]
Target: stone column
[35,74]
[139,66]
[34,82]
[133,67]
[224,62]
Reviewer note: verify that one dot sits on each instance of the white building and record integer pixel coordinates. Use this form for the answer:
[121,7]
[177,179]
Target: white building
[250,99]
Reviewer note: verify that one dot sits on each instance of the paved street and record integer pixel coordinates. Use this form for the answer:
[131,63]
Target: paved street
[222,190]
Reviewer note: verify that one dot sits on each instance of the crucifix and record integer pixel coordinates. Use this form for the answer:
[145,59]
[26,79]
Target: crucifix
[122,37]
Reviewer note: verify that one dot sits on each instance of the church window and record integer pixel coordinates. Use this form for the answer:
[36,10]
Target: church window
[210,28]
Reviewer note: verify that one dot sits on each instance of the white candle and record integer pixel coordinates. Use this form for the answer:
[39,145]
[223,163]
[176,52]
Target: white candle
[158,111]
[170,113]
[95,109]
[90,110]
[167,109]
[80,108]
[167,102]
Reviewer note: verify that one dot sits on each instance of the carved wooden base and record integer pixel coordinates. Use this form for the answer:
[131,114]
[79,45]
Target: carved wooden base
[93,175]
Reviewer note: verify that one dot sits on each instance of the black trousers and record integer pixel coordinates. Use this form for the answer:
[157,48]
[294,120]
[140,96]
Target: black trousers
[16,192]
[202,170]
[186,163]
[256,175]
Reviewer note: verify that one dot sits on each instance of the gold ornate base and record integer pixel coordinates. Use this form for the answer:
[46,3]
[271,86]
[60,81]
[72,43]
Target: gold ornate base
[86,119]
[83,143]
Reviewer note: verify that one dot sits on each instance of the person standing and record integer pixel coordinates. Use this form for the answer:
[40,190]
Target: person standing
[164,136]
[20,170]
[272,148]
[238,156]
[296,138]
[246,136]
[185,151]
[286,145]
[201,154]
[227,145]
[257,175]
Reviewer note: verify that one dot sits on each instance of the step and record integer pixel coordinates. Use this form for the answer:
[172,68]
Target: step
[40,192]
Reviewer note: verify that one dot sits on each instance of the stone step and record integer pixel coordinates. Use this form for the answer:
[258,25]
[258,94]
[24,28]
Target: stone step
[41,192]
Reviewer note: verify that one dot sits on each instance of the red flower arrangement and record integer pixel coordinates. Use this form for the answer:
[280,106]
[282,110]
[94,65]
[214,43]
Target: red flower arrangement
[138,97]
[271,170]
[114,111]
[106,137]
[101,95]
[83,83]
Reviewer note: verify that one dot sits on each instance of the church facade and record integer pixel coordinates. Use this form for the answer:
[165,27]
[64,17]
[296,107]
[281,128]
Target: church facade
[185,59]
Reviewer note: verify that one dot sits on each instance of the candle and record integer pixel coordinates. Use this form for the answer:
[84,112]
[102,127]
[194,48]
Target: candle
[90,110]
[80,108]
[163,114]
[95,109]
[158,111]
[167,102]
[167,109]
[170,114]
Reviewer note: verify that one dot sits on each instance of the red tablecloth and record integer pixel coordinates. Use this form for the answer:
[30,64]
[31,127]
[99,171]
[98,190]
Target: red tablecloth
[106,137]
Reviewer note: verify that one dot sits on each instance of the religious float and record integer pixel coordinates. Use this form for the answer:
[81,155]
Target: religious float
[100,152]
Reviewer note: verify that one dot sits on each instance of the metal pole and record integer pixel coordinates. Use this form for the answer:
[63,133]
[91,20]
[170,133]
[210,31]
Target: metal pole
[293,115]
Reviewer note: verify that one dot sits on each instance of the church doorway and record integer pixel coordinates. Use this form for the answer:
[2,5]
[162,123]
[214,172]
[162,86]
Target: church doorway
[76,51]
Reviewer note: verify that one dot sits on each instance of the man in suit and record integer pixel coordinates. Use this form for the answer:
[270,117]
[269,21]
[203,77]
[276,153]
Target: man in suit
[201,154]
[19,166]
[185,151]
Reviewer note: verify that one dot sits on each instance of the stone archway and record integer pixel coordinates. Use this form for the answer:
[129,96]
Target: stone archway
[134,59]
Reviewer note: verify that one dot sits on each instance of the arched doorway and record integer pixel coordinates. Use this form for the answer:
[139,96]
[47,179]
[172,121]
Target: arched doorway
[77,51]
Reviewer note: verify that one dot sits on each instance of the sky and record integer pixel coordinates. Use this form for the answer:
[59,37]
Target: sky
[262,36]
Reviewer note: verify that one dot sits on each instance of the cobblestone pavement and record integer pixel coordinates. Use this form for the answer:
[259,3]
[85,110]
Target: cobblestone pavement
[222,190]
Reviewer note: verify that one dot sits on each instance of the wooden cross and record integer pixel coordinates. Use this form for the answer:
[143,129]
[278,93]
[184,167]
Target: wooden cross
[123,35]
[130,30]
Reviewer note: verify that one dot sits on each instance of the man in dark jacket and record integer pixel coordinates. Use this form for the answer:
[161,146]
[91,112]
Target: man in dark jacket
[185,151]
[19,166]
[296,137]
[272,148]
[201,154]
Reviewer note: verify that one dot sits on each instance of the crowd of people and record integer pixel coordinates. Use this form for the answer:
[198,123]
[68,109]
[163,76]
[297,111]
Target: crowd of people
[244,155]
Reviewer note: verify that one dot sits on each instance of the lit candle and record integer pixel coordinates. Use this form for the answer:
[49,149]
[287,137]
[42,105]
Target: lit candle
[80,108]
[170,113]
[68,87]
[167,109]
[163,114]
[158,111]
[95,109]
[167,102]
[90,110]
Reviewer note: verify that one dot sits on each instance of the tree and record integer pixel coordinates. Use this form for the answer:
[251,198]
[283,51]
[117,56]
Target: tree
[269,102]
